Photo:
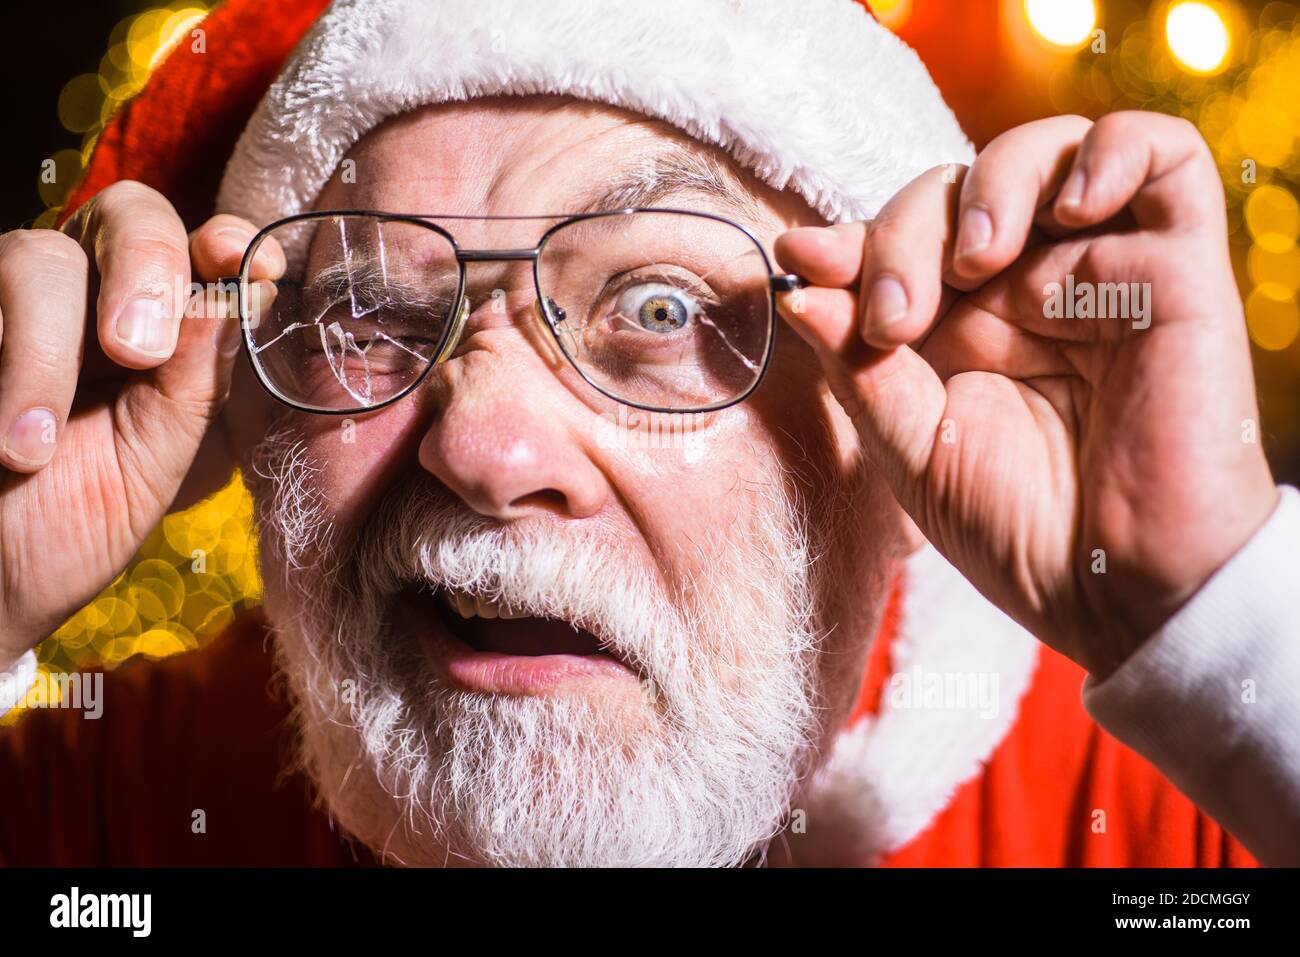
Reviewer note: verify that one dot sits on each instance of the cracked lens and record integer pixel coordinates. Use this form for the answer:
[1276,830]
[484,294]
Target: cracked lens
[362,318]
[656,308]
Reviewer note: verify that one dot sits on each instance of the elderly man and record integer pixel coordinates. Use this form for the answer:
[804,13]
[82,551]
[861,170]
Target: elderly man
[603,483]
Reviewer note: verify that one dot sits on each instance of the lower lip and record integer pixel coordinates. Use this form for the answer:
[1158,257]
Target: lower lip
[491,672]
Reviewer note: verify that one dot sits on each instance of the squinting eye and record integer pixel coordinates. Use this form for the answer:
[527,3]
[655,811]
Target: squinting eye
[657,307]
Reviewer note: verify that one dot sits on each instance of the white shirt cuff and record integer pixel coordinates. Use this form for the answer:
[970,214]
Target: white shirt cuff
[1213,698]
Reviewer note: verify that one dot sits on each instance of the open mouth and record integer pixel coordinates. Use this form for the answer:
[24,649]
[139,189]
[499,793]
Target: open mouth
[484,645]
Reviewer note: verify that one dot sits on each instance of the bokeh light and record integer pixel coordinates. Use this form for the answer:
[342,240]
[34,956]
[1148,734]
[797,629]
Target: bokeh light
[192,576]
[136,46]
[1273,218]
[1272,317]
[1065,23]
[1198,36]
[892,13]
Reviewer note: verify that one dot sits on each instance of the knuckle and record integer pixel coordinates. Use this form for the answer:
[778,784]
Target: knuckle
[885,229]
[1130,125]
[1074,120]
[146,259]
[44,363]
[153,249]
[1049,128]
[1113,125]
[125,194]
[1188,131]
[44,244]
[28,252]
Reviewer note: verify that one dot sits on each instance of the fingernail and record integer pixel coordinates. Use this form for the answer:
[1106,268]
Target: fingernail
[238,238]
[30,440]
[229,336]
[1072,191]
[887,303]
[145,327]
[243,235]
[976,231]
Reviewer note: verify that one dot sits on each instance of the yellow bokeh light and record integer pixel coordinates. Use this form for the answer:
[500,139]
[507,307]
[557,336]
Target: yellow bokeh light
[1265,132]
[142,37]
[57,176]
[1272,317]
[1281,267]
[892,13]
[79,103]
[1064,23]
[174,29]
[1273,218]
[1198,36]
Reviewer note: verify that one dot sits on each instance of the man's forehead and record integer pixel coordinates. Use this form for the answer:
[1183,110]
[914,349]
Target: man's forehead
[528,155]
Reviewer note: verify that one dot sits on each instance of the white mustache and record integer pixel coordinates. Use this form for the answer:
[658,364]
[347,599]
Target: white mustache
[426,540]
[421,535]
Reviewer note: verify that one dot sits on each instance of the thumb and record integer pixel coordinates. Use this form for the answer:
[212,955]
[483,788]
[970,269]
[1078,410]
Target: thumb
[199,371]
[167,411]
[893,396]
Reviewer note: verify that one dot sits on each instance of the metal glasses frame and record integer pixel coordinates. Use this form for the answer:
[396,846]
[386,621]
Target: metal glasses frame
[544,307]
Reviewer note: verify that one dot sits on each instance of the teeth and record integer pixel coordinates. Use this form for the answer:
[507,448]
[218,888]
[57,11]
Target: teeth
[474,606]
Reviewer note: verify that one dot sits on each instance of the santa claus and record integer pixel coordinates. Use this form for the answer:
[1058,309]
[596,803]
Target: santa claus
[896,513]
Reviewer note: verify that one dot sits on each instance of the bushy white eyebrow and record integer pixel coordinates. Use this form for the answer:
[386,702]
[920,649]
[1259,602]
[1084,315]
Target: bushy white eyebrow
[377,286]
[674,172]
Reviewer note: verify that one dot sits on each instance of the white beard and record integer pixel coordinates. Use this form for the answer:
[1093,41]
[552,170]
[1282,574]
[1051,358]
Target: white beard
[701,771]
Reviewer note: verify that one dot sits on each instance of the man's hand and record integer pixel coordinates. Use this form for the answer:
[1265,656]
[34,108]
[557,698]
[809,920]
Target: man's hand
[1087,474]
[105,392]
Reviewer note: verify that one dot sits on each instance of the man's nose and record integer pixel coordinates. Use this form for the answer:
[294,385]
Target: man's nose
[504,440]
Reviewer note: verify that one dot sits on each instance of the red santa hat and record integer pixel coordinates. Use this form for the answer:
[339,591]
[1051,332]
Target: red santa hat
[813,96]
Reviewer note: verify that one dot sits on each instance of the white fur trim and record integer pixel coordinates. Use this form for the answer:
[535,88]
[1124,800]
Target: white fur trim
[813,96]
[890,775]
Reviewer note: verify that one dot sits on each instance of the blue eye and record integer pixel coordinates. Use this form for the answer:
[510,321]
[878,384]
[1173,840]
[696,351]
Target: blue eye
[657,307]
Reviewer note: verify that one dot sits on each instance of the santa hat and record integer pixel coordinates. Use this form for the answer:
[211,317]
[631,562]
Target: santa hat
[813,96]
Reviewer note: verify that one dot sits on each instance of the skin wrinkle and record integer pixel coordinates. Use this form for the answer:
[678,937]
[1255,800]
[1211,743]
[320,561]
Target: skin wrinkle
[714,573]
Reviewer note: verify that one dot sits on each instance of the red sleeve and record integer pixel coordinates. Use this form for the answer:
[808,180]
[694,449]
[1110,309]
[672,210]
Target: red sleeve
[1060,792]
[202,736]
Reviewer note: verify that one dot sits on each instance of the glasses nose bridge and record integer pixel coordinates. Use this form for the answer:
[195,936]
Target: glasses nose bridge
[495,282]
[497,255]
[464,310]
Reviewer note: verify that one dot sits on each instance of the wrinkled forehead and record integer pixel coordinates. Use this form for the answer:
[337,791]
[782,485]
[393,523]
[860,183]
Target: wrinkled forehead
[512,156]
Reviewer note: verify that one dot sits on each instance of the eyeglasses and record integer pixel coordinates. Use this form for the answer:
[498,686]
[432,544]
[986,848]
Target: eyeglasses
[666,310]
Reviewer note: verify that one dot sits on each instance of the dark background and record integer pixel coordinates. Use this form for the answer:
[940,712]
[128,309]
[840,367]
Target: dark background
[44,47]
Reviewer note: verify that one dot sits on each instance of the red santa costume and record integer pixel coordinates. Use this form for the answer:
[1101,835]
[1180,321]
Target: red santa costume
[814,97]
